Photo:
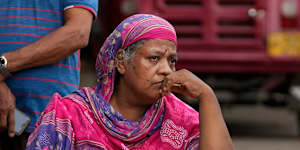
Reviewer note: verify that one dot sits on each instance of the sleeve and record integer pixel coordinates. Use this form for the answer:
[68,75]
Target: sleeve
[51,132]
[90,5]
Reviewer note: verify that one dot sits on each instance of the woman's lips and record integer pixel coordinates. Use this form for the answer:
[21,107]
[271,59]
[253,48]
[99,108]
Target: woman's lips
[158,83]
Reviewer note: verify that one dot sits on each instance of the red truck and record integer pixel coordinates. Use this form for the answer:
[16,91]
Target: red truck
[247,50]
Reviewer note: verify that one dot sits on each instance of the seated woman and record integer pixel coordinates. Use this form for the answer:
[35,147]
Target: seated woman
[132,106]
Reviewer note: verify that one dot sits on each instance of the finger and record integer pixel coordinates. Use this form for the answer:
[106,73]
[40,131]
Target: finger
[11,123]
[174,85]
[177,88]
[165,87]
[166,93]
[3,121]
[163,92]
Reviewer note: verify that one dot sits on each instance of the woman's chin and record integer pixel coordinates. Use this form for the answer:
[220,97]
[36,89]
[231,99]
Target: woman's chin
[156,98]
[153,98]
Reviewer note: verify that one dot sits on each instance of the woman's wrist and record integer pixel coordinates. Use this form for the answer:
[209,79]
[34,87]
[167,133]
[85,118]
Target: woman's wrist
[206,94]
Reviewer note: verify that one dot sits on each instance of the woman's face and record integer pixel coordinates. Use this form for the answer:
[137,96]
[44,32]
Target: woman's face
[151,64]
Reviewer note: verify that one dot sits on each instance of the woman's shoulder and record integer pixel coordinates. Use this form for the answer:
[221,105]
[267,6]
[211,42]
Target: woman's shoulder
[66,105]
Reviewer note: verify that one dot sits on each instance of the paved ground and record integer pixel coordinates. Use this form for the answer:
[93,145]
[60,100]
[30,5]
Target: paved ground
[266,143]
[252,127]
[262,128]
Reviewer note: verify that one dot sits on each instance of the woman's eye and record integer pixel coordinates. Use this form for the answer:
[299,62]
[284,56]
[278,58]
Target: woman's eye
[173,60]
[154,58]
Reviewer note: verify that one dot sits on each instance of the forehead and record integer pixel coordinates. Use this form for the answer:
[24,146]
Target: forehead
[157,46]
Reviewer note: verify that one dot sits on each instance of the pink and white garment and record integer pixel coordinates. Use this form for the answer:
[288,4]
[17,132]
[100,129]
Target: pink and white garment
[85,119]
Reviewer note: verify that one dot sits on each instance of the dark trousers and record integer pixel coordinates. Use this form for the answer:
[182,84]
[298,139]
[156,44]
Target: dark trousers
[15,143]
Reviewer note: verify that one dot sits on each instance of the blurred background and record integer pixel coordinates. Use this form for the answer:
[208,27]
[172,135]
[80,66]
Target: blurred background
[248,51]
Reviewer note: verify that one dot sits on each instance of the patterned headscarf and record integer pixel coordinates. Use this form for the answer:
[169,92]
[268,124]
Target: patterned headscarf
[131,30]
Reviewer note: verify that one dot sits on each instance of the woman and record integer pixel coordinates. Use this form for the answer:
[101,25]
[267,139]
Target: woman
[132,106]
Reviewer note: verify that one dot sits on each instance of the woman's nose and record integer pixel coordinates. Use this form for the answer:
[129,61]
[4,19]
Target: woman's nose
[165,68]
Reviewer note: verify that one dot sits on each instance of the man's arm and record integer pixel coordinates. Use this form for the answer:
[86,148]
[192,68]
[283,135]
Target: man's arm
[59,44]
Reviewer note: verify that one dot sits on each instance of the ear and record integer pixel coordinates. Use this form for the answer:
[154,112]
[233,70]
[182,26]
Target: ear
[121,63]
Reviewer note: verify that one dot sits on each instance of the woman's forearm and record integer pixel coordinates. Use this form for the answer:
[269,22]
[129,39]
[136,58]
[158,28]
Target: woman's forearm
[213,131]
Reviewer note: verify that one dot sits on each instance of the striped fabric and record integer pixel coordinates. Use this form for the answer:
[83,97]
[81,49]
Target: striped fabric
[22,23]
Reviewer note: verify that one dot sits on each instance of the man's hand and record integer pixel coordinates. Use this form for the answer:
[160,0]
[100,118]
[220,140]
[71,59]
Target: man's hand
[7,109]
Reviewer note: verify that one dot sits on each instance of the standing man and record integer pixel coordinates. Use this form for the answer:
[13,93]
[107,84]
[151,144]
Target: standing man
[39,55]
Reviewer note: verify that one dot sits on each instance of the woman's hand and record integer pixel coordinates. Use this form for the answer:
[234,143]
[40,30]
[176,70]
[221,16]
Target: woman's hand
[186,83]
[214,133]
[7,109]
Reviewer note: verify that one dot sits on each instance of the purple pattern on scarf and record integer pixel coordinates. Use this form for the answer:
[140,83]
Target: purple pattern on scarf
[51,134]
